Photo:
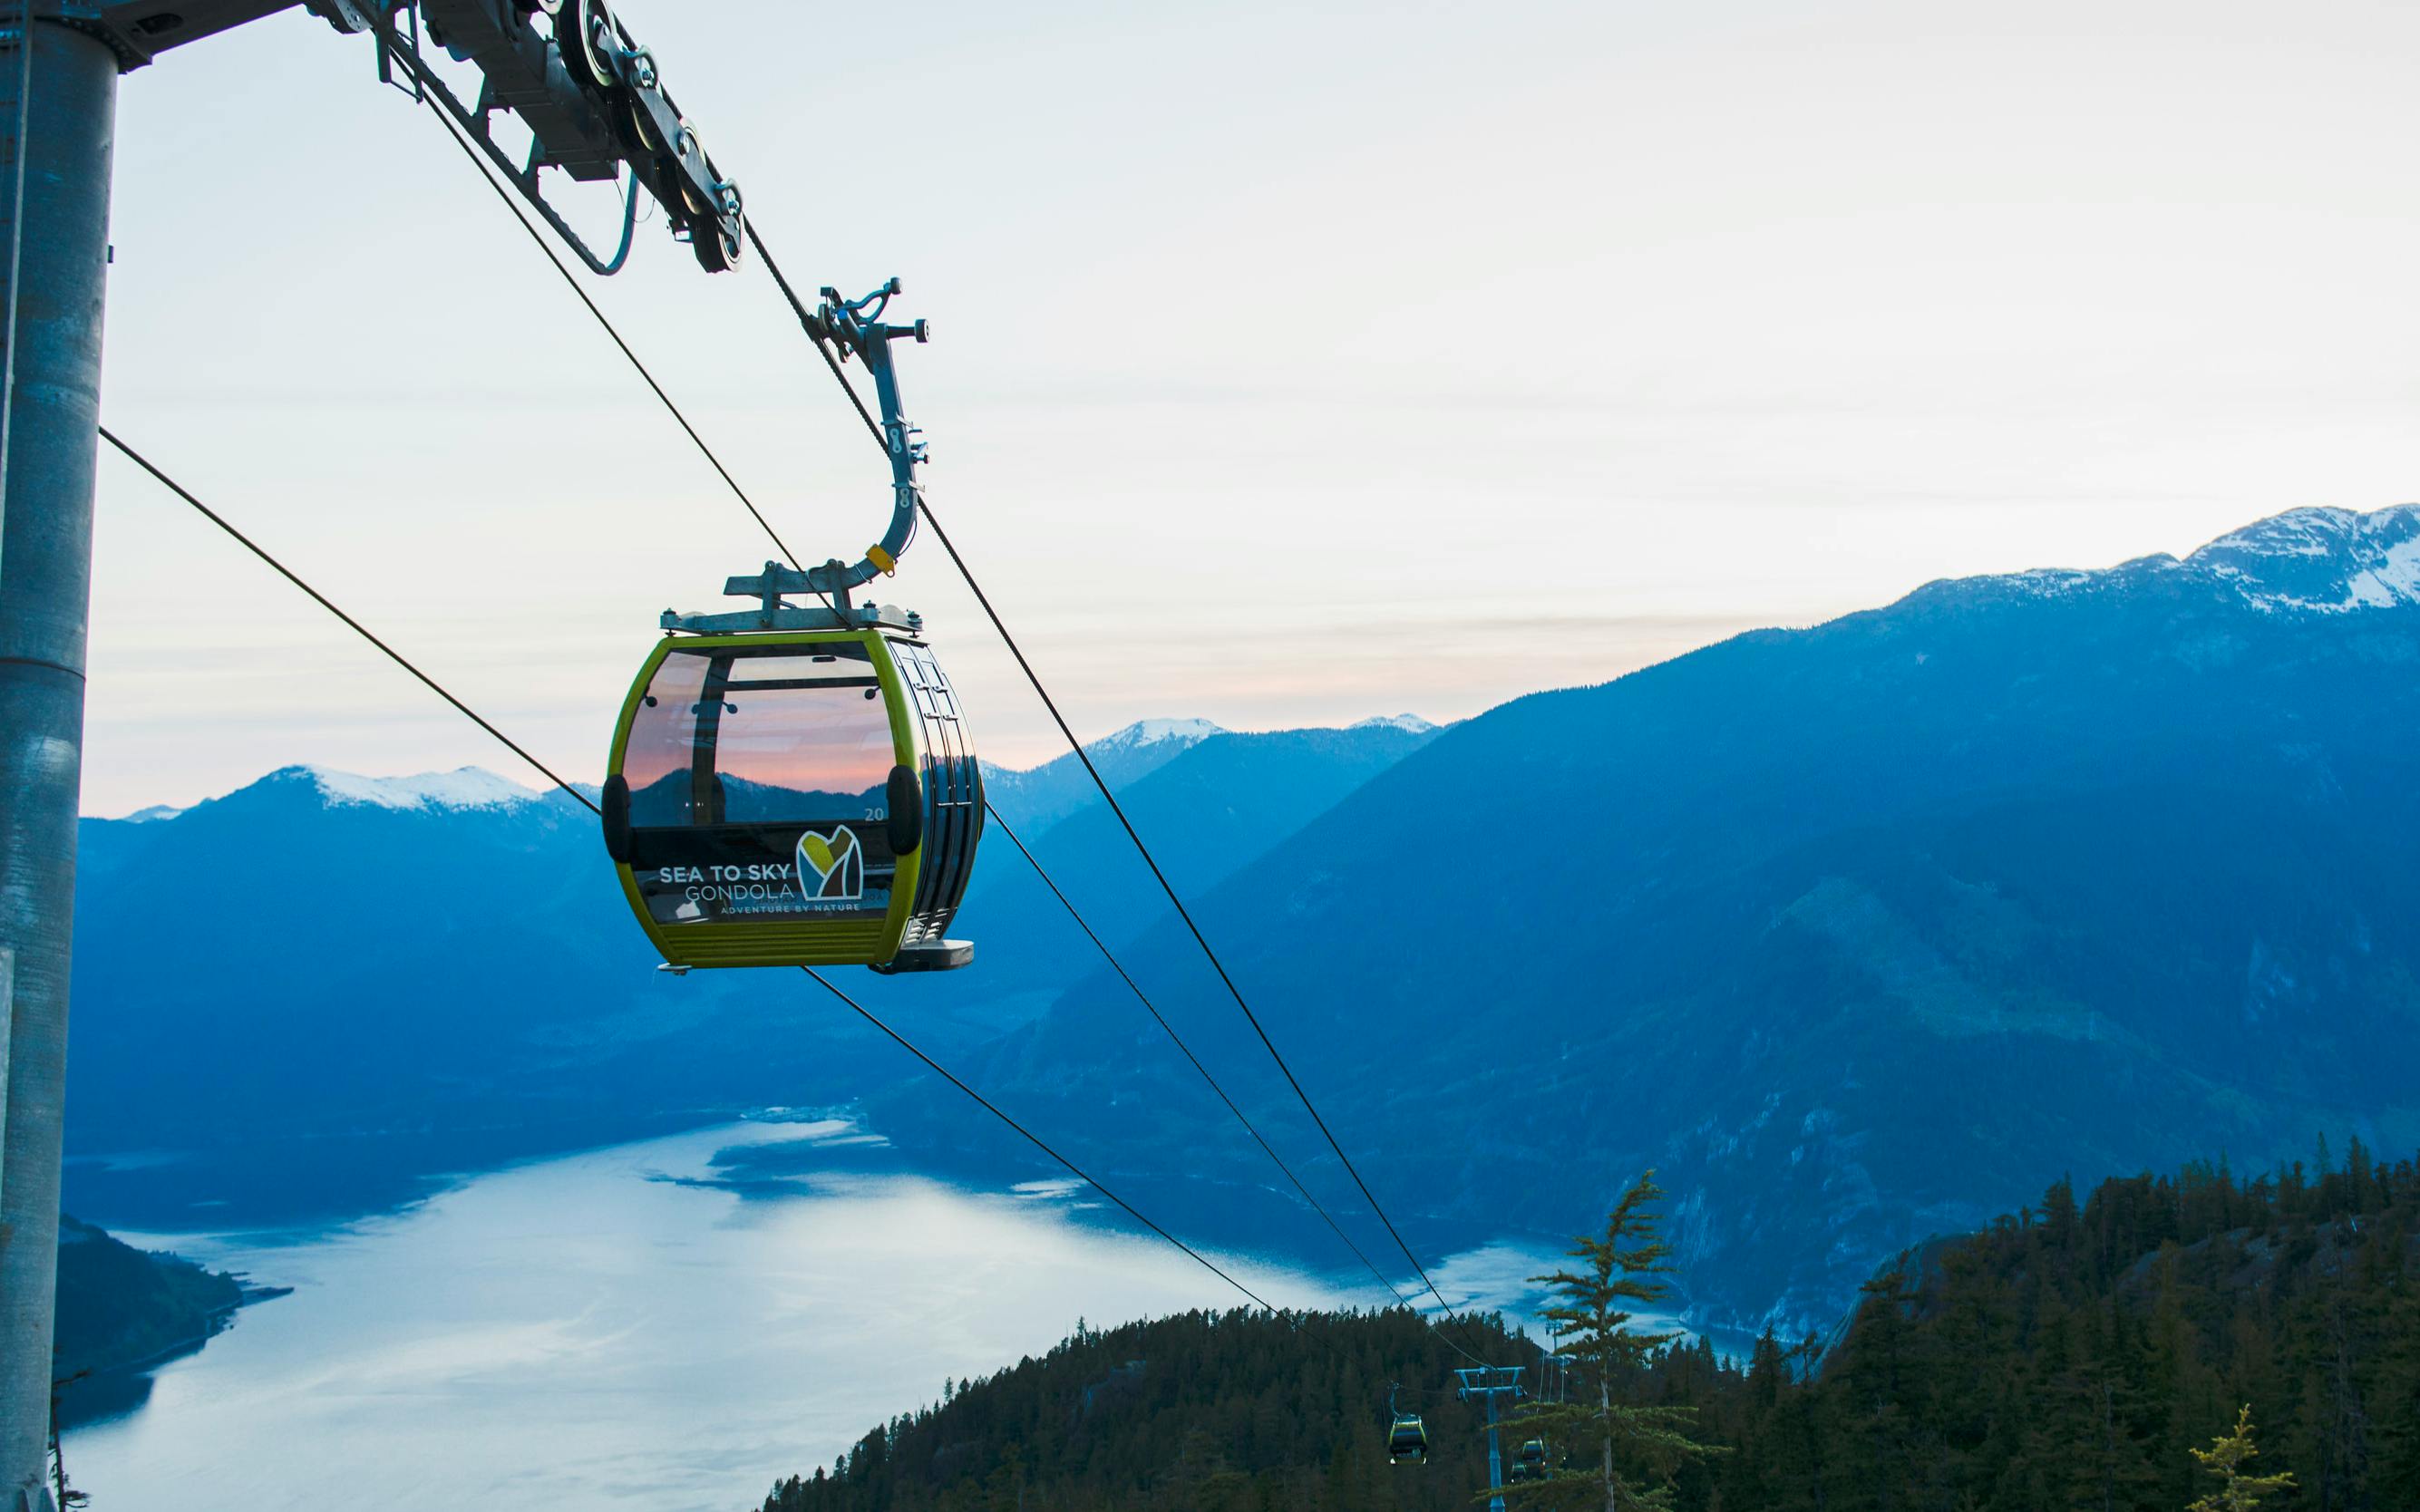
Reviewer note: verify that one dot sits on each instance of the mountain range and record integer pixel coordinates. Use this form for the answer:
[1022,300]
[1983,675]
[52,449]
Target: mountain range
[1858,933]
[313,995]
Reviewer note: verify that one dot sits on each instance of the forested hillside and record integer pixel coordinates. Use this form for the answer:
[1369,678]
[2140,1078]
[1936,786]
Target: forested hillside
[2067,1356]
[1240,1410]
[119,1305]
[122,1310]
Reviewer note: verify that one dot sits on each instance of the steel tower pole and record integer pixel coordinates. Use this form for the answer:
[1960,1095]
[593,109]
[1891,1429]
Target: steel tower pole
[62,240]
[1489,1382]
[1495,1461]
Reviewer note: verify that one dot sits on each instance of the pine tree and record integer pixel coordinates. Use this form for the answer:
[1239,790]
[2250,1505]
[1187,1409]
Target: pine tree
[1623,1452]
[2224,1457]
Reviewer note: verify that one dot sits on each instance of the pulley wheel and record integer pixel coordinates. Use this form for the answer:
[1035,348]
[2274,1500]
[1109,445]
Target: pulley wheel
[583,33]
[716,252]
[686,153]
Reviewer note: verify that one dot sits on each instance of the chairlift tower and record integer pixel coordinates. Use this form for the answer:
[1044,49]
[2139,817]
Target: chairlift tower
[1487,1383]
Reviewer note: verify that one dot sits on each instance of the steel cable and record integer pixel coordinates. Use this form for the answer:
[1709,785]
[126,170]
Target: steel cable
[516,747]
[814,331]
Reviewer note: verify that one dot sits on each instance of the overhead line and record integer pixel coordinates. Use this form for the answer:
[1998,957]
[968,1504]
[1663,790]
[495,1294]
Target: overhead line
[1178,1039]
[453,133]
[357,626]
[440,689]
[1181,911]
[817,333]
[813,329]
[1037,1141]
[813,326]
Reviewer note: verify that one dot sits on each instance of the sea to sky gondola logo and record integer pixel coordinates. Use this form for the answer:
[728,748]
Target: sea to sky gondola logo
[831,867]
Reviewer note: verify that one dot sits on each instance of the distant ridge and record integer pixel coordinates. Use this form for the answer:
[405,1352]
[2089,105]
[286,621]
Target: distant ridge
[380,977]
[1131,752]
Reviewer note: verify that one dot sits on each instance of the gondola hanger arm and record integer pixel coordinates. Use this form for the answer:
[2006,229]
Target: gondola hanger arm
[856,329]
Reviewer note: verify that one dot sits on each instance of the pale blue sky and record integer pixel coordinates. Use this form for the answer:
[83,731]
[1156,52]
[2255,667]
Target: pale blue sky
[1292,364]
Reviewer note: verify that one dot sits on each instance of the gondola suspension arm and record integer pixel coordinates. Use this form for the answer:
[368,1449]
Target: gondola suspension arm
[852,327]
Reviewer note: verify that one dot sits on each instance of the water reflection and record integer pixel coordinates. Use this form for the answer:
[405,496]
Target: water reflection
[603,1330]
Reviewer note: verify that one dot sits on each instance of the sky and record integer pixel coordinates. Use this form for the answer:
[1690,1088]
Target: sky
[1291,364]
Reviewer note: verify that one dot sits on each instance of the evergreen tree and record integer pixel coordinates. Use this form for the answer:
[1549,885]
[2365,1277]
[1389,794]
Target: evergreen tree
[2238,1490]
[1623,1452]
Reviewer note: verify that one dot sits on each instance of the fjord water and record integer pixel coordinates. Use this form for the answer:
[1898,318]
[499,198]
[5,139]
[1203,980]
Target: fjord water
[601,1331]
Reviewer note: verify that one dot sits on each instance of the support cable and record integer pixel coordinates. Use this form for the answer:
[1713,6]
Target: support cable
[358,628]
[473,715]
[1195,1062]
[1181,911]
[1036,1141]
[817,333]
[456,134]
[814,331]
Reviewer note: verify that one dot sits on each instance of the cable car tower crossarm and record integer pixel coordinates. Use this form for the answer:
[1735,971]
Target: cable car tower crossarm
[1488,1383]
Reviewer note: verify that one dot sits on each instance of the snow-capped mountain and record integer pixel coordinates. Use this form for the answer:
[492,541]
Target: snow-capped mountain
[2303,562]
[1210,808]
[465,787]
[1181,732]
[1057,788]
[1410,724]
[2328,561]
[447,954]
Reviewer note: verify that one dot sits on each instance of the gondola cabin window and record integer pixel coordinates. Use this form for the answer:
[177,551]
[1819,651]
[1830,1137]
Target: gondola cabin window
[758,781]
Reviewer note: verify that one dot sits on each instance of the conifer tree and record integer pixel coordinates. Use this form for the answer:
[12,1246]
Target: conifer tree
[2238,1491]
[1621,1454]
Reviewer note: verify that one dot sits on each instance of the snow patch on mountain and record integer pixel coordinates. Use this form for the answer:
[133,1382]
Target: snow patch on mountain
[2050,582]
[1411,724]
[1154,732]
[466,787]
[153,814]
[2314,561]
[2323,560]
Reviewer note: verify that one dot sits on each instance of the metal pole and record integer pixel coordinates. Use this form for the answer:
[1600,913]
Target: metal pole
[1495,1460]
[7,1008]
[45,581]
